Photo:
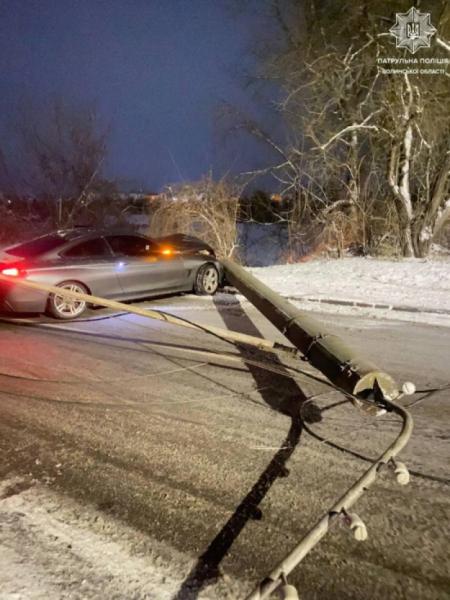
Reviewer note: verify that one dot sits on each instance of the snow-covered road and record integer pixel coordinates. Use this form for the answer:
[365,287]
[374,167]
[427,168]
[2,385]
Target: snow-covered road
[135,469]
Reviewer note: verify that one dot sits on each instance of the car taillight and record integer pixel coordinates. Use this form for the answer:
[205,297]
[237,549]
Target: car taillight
[167,251]
[12,272]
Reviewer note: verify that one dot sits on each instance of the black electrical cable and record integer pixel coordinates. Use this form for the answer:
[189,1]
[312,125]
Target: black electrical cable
[427,394]
[356,454]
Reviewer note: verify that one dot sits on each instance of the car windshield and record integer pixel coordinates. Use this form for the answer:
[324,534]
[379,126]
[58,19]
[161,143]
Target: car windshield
[37,246]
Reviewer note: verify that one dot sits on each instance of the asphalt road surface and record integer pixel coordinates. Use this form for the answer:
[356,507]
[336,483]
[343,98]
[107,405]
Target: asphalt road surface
[142,460]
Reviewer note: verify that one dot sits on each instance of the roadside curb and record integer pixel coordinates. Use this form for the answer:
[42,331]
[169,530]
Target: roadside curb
[358,304]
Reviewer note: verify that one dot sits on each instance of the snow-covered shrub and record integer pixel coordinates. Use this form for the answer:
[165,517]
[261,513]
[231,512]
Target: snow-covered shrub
[206,209]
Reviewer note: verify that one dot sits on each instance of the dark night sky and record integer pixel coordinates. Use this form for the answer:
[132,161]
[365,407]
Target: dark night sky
[156,70]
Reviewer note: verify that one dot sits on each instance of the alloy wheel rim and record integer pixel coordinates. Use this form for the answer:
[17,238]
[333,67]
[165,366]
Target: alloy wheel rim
[210,280]
[67,307]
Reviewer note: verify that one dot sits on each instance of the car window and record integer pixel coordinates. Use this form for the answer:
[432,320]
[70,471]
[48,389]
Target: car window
[38,246]
[130,245]
[96,248]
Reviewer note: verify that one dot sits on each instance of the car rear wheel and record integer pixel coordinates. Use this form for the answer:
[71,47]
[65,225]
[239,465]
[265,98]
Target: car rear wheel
[207,280]
[64,308]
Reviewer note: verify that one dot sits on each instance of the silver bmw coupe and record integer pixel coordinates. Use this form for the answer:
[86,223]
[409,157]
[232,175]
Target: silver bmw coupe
[117,265]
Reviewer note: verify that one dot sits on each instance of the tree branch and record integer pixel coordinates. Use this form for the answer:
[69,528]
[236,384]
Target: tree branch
[444,44]
[351,128]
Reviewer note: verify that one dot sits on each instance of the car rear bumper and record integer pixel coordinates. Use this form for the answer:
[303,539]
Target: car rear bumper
[14,298]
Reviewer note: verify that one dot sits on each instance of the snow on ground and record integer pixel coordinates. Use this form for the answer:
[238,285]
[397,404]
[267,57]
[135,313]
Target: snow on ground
[417,284]
[52,548]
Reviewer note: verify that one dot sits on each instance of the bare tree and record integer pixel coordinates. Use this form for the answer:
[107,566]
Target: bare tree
[65,154]
[419,162]
[361,142]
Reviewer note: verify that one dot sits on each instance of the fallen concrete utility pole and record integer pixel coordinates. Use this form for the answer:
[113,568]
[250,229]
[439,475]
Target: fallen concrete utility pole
[232,336]
[353,374]
[324,350]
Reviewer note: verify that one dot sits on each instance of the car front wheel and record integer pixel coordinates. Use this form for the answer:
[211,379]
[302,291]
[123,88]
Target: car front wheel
[65,308]
[207,280]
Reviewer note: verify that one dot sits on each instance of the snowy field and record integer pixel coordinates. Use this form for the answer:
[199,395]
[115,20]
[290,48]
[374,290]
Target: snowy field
[410,289]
